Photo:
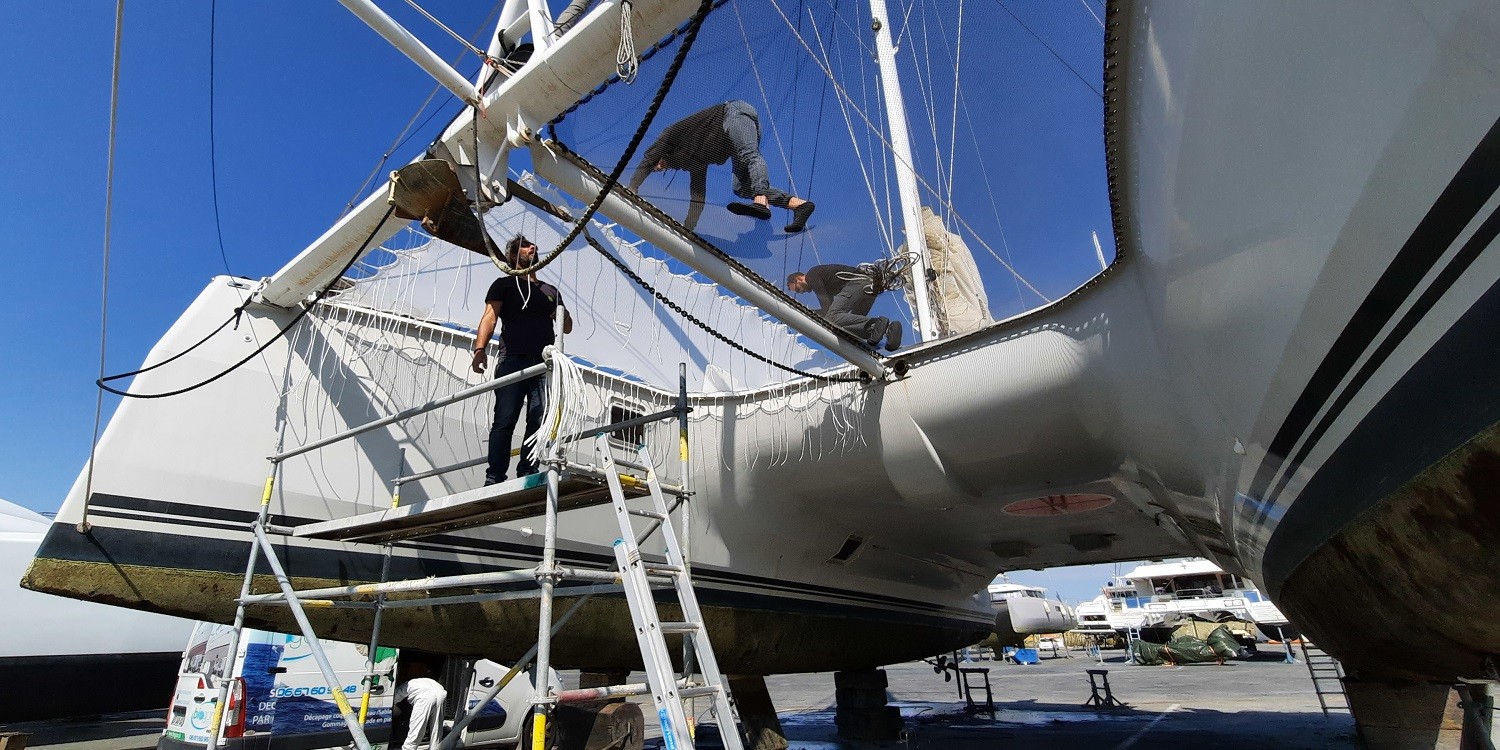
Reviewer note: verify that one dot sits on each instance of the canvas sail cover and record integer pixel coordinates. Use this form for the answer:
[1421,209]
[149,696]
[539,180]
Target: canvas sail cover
[958,297]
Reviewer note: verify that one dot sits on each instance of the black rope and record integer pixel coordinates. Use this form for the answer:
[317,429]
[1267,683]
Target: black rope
[252,355]
[642,283]
[694,25]
[233,318]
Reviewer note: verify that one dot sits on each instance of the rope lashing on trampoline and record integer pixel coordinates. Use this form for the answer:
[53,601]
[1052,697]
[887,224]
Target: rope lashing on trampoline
[642,283]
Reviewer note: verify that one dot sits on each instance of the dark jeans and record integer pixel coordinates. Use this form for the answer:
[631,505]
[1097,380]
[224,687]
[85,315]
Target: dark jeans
[742,126]
[508,412]
[850,310]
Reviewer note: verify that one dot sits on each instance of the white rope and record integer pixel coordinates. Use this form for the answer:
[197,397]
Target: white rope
[627,62]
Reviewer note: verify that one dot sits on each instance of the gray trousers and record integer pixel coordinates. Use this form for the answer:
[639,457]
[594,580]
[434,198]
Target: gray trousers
[850,310]
[742,126]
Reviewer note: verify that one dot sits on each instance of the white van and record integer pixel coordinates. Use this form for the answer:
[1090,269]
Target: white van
[278,699]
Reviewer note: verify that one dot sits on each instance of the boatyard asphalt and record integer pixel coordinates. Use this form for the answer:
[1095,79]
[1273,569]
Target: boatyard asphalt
[1260,703]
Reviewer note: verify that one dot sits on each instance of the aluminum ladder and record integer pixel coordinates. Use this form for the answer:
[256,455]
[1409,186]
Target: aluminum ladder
[1327,676]
[668,689]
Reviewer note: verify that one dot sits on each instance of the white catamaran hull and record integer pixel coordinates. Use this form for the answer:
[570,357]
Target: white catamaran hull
[1289,370]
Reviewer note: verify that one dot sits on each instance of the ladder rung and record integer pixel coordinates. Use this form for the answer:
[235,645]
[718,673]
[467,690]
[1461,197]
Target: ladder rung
[627,463]
[698,692]
[680,627]
[647,514]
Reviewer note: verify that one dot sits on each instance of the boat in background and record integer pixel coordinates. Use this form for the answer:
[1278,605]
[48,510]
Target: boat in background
[1154,599]
[63,657]
[1022,610]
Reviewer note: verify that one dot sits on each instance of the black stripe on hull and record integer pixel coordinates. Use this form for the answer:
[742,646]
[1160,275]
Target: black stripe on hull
[1446,398]
[1471,187]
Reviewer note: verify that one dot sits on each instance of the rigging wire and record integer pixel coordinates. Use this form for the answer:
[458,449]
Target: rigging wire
[887,232]
[408,132]
[1044,43]
[704,7]
[878,133]
[460,39]
[213,155]
[812,168]
[306,308]
[109,199]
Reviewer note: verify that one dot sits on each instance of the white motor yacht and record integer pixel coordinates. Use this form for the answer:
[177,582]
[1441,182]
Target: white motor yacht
[1161,594]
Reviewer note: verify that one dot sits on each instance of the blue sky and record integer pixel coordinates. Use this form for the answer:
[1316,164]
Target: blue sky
[306,99]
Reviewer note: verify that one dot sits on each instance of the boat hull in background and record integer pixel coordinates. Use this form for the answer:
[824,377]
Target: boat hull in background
[1279,152]
[63,658]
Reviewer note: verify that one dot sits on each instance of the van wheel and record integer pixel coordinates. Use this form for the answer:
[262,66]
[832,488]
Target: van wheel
[526,729]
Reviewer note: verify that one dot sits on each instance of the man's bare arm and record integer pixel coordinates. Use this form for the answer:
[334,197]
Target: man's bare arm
[482,337]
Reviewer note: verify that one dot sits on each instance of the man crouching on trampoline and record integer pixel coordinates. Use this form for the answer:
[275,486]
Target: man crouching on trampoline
[845,294]
[724,132]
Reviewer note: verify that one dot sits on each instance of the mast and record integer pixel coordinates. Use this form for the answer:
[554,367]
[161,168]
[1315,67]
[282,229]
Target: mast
[906,174]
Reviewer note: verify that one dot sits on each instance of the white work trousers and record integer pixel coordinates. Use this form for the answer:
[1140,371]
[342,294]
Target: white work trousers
[427,697]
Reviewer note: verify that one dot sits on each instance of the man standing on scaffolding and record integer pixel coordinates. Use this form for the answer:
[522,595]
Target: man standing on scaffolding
[525,308]
[724,132]
[845,295]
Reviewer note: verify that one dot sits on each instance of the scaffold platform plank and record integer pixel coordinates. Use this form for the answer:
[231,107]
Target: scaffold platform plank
[515,499]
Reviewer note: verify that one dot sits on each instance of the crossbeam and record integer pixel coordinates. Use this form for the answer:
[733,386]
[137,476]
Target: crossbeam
[514,110]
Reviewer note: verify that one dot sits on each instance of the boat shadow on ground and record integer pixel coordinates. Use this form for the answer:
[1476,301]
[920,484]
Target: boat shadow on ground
[1039,725]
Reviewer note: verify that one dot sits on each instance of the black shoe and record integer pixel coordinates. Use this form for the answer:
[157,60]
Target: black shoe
[877,332]
[800,215]
[893,336]
[753,210]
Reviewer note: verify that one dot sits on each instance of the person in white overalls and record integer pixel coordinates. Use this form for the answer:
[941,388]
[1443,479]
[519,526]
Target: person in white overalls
[426,696]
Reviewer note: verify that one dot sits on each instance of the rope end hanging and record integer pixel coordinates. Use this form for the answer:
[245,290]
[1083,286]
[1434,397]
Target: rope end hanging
[627,62]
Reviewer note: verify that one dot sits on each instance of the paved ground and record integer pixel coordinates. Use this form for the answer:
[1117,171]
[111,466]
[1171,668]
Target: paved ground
[1243,705]
[120,732]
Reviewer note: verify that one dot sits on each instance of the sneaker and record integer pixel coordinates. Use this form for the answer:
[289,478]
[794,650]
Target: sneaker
[878,330]
[800,215]
[753,210]
[893,336]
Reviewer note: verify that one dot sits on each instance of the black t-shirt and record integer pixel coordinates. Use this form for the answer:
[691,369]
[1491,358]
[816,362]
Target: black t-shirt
[526,311]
